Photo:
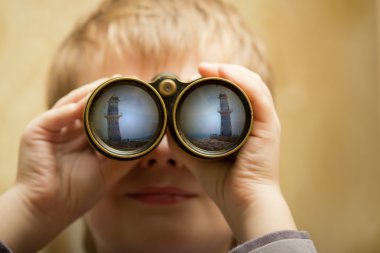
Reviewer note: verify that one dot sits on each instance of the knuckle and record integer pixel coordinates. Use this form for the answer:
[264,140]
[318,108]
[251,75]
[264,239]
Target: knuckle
[256,77]
[278,125]
[26,134]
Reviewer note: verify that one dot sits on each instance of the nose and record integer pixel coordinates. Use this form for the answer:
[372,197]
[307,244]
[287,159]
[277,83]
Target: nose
[161,157]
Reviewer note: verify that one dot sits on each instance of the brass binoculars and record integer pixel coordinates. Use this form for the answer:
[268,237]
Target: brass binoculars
[126,118]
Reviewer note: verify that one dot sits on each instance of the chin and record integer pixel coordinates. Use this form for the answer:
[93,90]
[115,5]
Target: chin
[166,239]
[161,244]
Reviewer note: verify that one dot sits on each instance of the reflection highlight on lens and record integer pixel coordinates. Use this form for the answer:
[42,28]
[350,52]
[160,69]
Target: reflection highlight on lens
[212,118]
[125,118]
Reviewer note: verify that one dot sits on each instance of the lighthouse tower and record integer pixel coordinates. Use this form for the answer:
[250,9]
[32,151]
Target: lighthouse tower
[112,117]
[225,111]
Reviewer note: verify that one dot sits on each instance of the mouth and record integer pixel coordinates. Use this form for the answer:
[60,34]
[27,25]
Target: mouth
[156,195]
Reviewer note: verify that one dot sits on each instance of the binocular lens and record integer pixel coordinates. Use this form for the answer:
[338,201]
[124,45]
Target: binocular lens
[212,119]
[125,119]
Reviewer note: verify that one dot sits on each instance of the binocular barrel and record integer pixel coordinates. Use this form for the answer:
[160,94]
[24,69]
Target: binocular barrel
[126,118]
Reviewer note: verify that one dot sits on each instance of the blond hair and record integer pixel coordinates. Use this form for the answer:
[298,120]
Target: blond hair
[157,31]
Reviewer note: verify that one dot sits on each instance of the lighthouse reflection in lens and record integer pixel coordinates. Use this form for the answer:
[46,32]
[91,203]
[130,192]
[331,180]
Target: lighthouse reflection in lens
[125,117]
[212,118]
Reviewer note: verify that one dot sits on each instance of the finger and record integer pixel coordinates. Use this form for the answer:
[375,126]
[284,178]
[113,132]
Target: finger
[70,132]
[82,104]
[73,130]
[212,69]
[55,119]
[77,144]
[252,85]
[77,94]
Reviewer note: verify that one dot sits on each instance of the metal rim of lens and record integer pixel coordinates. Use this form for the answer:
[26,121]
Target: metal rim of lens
[104,148]
[248,113]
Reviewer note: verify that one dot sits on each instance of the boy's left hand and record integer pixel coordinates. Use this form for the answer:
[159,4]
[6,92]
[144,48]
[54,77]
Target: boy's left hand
[247,191]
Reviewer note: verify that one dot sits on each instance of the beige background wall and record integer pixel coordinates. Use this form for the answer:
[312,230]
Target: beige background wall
[324,55]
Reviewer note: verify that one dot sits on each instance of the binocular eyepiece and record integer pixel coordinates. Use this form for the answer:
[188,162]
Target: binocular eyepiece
[126,118]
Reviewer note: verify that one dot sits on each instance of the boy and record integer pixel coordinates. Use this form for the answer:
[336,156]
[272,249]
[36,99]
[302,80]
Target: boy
[194,205]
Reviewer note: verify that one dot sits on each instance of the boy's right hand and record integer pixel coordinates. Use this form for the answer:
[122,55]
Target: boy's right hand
[59,177]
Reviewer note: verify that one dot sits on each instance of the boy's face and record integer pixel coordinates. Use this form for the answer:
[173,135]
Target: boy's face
[159,205]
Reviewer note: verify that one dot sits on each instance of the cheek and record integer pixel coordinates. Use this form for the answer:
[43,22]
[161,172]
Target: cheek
[102,221]
[212,220]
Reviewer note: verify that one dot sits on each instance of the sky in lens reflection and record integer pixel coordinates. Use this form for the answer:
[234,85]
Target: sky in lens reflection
[139,112]
[199,117]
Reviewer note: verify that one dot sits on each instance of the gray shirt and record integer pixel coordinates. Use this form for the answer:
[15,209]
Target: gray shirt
[286,241]
[282,241]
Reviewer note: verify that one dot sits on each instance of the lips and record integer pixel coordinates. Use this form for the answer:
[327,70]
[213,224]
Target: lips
[161,195]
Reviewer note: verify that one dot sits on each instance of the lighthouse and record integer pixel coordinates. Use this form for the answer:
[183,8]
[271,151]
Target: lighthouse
[112,117]
[225,117]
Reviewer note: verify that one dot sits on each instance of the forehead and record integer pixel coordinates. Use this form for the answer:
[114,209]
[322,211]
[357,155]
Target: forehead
[133,65]
[184,64]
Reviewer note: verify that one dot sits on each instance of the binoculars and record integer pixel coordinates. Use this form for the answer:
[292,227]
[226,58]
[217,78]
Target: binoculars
[126,118]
